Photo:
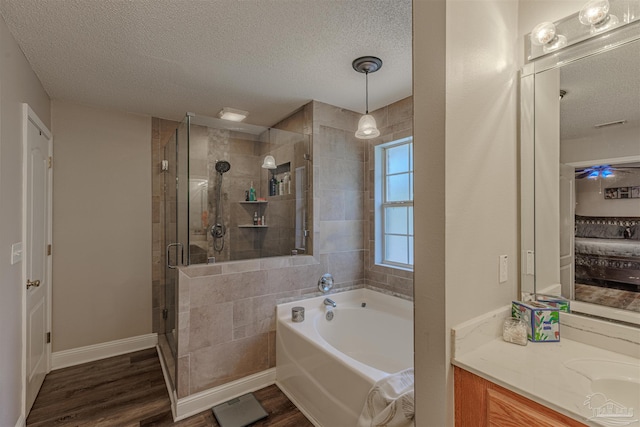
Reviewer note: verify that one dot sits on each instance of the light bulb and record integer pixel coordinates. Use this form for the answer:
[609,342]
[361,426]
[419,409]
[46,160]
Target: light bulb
[594,12]
[543,33]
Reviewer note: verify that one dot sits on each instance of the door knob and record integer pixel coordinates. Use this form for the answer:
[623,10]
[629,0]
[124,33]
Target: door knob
[35,283]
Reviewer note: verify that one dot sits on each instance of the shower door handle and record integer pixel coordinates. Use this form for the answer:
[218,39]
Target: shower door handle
[169,253]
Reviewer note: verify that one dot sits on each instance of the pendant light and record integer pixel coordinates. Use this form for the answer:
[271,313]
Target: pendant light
[367,127]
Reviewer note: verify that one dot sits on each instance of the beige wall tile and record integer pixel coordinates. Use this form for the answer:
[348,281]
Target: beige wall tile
[341,236]
[210,324]
[184,327]
[219,364]
[183,388]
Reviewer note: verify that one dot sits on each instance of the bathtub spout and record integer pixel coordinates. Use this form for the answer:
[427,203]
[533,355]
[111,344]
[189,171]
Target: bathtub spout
[329,301]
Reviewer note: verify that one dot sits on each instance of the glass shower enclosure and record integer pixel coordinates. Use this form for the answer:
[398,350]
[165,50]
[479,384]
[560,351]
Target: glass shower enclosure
[232,191]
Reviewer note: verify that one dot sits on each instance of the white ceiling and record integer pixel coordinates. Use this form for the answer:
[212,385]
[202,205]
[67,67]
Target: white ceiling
[166,57]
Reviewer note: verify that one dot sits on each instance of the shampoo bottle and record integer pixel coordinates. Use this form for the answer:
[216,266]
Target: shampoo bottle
[287,183]
[252,193]
[273,185]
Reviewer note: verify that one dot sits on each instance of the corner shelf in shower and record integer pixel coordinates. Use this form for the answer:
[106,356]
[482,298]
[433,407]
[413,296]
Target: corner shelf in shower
[254,202]
[253,226]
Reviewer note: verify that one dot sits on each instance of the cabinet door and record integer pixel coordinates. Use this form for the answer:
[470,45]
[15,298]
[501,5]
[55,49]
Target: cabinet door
[481,403]
[504,411]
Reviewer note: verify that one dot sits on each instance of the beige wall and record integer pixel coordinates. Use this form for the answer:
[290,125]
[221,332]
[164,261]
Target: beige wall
[101,225]
[429,142]
[466,148]
[590,193]
[18,84]
[465,136]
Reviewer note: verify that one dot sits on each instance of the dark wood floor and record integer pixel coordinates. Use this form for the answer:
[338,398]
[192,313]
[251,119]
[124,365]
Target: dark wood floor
[128,391]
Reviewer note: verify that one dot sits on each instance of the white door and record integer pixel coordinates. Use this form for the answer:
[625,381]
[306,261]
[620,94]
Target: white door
[37,265]
[567,225]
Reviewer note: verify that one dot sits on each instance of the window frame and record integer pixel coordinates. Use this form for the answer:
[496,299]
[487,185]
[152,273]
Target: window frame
[381,204]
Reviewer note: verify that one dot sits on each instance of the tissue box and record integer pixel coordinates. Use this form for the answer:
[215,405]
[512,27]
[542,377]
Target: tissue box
[543,320]
[562,304]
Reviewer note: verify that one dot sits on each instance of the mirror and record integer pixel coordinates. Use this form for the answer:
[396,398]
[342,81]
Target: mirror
[580,173]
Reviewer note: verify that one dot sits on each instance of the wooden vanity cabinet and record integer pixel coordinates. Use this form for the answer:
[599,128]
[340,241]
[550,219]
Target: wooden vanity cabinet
[481,403]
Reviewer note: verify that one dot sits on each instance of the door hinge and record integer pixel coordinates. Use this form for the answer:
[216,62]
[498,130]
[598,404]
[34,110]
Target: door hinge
[48,337]
[165,313]
[50,162]
[48,249]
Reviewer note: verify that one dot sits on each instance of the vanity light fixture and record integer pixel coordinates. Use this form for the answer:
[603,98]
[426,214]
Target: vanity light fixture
[596,14]
[232,114]
[367,127]
[545,35]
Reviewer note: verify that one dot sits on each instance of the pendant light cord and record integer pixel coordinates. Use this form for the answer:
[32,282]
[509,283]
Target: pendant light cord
[366,79]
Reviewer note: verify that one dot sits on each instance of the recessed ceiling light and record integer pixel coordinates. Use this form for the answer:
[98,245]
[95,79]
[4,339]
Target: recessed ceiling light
[232,114]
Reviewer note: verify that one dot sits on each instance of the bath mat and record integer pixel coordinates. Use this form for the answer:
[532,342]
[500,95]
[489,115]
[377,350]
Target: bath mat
[239,412]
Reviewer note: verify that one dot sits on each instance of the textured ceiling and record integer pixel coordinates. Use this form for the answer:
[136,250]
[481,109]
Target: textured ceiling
[167,57]
[601,89]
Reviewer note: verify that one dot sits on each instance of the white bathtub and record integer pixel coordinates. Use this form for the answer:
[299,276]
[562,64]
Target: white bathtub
[327,367]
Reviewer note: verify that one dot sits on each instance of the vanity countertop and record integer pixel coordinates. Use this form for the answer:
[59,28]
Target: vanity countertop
[538,372]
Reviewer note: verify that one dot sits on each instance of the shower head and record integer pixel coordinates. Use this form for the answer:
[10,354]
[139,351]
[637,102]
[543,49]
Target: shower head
[222,166]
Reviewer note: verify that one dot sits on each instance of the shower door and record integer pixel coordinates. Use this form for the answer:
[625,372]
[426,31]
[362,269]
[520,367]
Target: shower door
[176,232]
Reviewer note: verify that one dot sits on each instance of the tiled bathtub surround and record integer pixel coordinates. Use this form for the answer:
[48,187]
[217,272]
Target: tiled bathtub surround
[343,189]
[395,122]
[226,320]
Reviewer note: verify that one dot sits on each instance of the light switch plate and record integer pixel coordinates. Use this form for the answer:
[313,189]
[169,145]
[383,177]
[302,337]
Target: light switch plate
[16,253]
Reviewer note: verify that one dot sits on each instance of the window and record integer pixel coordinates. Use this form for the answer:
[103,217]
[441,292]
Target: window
[394,203]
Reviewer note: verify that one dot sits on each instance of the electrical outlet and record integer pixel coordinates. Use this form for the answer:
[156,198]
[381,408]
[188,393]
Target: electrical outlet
[504,268]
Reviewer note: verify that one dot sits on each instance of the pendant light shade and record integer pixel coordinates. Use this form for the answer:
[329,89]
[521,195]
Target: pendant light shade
[269,163]
[367,127]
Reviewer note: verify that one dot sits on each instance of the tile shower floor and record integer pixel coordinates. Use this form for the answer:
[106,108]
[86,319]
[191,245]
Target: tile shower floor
[609,297]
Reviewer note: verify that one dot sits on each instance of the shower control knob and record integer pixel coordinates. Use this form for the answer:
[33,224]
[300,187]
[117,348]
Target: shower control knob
[325,283]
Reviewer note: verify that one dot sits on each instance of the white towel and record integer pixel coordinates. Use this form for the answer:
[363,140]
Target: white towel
[390,402]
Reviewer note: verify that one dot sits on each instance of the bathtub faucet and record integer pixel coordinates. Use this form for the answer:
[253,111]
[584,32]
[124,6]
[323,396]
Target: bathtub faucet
[329,301]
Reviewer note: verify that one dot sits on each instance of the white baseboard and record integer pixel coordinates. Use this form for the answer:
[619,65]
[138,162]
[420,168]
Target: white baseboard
[298,405]
[204,400]
[76,356]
